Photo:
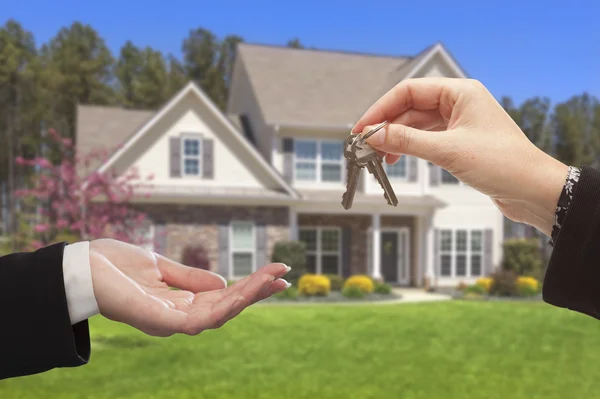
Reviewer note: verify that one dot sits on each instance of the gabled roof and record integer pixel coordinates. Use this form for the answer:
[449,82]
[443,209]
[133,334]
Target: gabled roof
[120,136]
[324,88]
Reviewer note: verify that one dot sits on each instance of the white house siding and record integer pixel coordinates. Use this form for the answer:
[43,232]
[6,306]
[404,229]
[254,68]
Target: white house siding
[242,101]
[230,168]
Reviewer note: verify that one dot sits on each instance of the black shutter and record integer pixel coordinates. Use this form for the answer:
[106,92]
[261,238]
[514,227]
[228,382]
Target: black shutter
[175,156]
[413,168]
[208,159]
[346,251]
[288,159]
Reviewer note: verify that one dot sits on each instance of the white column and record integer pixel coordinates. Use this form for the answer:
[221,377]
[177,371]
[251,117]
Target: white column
[376,231]
[424,176]
[429,259]
[293,225]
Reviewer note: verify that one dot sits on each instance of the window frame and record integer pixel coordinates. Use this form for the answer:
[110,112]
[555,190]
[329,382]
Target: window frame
[468,252]
[318,252]
[233,251]
[318,161]
[195,137]
[398,178]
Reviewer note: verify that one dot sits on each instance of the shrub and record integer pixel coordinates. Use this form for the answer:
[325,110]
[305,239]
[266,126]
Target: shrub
[528,286]
[290,293]
[523,257]
[361,281]
[382,288]
[353,291]
[195,256]
[504,283]
[475,289]
[461,286]
[337,282]
[485,283]
[292,254]
[314,284]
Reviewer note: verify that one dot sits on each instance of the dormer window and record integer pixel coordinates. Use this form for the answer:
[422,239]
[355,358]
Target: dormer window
[191,156]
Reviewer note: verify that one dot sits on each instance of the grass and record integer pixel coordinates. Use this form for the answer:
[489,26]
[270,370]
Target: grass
[438,350]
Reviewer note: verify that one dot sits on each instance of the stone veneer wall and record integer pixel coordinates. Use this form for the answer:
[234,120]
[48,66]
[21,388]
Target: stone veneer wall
[193,224]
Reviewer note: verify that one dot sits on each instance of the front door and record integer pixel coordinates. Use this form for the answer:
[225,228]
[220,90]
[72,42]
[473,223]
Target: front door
[394,256]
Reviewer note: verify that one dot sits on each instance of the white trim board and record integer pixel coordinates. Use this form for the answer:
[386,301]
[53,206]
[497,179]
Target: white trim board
[191,87]
[437,49]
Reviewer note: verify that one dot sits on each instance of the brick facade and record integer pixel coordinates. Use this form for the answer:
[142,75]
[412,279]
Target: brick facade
[198,224]
[359,225]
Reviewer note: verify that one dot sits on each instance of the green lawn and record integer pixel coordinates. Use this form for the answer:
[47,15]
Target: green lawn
[436,350]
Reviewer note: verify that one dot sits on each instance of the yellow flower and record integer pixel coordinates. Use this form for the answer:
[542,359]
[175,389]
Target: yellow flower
[360,281]
[528,282]
[314,284]
[485,282]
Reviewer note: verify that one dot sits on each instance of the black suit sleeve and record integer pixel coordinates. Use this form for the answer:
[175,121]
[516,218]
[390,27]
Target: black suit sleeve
[36,334]
[572,279]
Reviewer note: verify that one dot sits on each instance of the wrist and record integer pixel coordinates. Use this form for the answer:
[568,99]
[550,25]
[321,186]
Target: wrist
[548,178]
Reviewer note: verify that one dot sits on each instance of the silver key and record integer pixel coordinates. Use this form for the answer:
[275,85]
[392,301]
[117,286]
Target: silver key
[367,156]
[353,170]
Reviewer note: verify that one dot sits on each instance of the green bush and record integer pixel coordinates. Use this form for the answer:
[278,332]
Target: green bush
[382,288]
[523,257]
[504,283]
[292,254]
[475,289]
[526,290]
[290,293]
[353,292]
[337,282]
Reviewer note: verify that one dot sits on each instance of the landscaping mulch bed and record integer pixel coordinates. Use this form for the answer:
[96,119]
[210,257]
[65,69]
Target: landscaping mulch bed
[334,297]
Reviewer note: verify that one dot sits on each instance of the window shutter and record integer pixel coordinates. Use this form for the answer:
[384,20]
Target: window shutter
[346,250]
[224,250]
[436,253]
[488,245]
[208,159]
[288,159]
[261,245]
[175,156]
[435,175]
[413,168]
[160,239]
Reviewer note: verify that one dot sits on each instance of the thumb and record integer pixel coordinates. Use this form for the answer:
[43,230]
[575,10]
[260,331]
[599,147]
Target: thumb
[404,140]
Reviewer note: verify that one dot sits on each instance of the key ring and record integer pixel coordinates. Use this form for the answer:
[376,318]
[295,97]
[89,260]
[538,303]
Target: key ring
[369,134]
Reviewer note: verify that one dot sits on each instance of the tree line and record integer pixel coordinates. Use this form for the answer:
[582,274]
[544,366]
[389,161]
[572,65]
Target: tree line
[41,84]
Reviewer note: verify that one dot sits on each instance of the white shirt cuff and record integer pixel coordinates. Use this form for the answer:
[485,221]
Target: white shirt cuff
[78,282]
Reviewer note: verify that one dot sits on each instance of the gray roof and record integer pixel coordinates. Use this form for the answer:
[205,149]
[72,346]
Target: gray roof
[300,86]
[106,128]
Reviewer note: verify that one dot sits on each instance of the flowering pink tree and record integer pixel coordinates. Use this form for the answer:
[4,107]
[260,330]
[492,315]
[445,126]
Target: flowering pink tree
[85,205]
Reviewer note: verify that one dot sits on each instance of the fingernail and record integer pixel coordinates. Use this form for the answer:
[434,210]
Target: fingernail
[287,268]
[379,137]
[287,284]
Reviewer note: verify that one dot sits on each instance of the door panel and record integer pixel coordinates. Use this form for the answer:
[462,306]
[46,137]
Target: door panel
[389,256]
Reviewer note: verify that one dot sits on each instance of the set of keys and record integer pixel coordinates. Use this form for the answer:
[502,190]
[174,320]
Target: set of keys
[360,154]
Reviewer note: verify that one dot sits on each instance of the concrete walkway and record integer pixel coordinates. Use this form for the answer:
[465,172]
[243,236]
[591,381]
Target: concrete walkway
[409,295]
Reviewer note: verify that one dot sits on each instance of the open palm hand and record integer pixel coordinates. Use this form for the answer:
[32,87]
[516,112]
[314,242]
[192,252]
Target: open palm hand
[132,286]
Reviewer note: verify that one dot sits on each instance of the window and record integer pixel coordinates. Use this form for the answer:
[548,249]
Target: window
[242,249]
[322,249]
[397,170]
[448,178]
[461,253]
[191,156]
[319,160]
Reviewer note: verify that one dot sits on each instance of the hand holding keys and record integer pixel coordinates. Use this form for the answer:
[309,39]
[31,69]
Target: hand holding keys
[360,154]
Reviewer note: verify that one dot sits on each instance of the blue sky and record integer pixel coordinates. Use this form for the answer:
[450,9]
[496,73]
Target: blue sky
[517,48]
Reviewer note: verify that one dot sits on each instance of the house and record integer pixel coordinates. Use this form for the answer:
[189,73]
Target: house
[271,168]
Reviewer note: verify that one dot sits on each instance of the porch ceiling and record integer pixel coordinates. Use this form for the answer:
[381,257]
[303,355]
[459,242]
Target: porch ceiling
[322,196]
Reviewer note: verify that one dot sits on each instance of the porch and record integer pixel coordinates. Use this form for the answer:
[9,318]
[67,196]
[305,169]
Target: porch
[394,248]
